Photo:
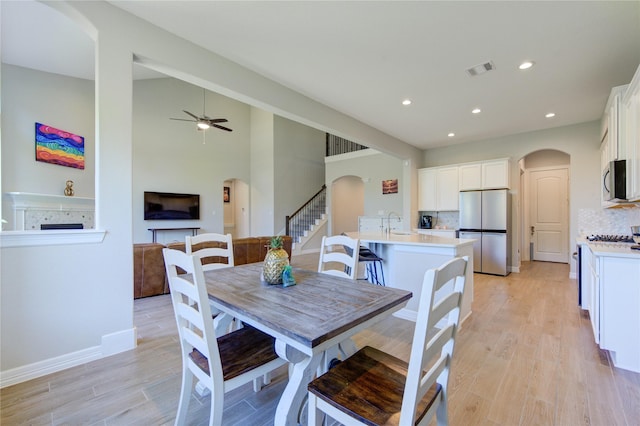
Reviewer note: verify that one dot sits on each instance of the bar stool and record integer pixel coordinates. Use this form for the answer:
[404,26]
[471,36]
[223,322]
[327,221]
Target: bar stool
[372,260]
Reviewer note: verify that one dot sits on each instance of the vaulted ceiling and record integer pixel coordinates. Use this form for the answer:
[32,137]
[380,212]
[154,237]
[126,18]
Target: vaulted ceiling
[364,58]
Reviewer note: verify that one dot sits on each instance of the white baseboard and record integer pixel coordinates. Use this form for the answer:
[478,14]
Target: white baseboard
[111,344]
[48,366]
[120,341]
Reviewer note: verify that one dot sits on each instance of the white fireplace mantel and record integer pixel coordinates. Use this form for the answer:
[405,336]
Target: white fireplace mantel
[28,207]
[25,200]
[30,210]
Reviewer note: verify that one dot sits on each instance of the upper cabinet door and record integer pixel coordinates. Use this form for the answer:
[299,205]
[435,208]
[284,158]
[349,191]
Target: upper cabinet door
[495,174]
[447,189]
[470,176]
[427,190]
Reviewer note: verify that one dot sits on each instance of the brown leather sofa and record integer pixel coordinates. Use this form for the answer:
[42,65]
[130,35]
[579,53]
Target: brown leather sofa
[149,276]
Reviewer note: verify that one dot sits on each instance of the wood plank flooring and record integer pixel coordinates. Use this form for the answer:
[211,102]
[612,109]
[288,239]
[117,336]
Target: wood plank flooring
[526,356]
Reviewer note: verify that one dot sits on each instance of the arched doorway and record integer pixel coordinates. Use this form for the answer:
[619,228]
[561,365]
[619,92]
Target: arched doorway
[545,206]
[235,196]
[347,204]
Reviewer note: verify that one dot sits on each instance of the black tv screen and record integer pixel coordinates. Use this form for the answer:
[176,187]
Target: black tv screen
[170,206]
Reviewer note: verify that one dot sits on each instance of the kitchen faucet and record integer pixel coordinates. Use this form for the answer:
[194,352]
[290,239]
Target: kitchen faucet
[389,221]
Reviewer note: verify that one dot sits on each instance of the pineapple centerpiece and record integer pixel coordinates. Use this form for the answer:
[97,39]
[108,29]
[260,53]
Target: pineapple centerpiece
[275,261]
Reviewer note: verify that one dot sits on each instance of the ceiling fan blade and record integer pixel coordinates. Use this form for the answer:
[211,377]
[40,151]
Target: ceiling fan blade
[194,116]
[222,127]
[182,119]
[217,120]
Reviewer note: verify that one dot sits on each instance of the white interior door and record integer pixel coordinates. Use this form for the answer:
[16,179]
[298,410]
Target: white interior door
[549,215]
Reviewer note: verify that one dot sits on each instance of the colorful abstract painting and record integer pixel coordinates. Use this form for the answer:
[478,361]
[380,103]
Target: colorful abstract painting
[56,146]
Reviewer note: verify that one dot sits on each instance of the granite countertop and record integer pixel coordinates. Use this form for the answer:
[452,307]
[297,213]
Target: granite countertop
[409,238]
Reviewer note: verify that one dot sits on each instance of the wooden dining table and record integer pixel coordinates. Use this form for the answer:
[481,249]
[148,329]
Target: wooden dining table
[317,314]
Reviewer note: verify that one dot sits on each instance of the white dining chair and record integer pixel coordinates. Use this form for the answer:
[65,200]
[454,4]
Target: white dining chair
[214,250]
[219,364]
[375,388]
[339,256]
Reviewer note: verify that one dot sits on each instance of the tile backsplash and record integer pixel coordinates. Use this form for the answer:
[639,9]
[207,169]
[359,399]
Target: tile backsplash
[443,220]
[607,221]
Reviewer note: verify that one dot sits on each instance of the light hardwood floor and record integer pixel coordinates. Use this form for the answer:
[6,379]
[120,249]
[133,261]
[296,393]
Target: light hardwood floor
[526,356]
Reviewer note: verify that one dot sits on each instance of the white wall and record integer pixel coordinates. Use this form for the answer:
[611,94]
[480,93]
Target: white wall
[172,156]
[347,203]
[66,103]
[372,167]
[299,167]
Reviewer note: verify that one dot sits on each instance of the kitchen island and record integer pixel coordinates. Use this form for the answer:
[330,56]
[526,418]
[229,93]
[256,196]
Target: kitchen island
[407,256]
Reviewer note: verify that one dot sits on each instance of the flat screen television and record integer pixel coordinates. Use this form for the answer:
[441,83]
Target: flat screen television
[171,206]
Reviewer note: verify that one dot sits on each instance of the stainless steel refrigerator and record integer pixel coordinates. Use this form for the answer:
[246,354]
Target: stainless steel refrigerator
[486,217]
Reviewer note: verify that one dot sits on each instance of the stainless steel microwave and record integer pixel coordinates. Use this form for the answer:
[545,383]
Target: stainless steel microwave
[614,181]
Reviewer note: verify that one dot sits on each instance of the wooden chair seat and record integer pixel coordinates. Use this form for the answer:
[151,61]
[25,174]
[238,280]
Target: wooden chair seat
[256,347]
[369,387]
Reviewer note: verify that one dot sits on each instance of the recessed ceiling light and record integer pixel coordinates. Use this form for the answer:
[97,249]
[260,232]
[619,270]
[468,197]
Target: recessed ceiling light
[451,134]
[550,115]
[476,111]
[526,65]
[406,102]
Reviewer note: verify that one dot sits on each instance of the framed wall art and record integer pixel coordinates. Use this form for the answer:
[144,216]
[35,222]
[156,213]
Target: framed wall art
[59,147]
[226,194]
[390,186]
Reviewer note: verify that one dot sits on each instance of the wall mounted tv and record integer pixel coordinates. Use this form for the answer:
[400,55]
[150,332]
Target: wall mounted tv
[170,206]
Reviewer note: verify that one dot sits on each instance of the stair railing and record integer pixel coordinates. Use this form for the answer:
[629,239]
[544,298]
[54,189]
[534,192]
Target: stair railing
[303,218]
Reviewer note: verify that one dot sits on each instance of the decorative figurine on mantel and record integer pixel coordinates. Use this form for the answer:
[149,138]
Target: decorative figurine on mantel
[68,191]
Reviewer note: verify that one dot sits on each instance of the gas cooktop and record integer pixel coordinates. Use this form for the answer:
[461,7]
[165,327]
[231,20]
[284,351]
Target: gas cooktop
[611,238]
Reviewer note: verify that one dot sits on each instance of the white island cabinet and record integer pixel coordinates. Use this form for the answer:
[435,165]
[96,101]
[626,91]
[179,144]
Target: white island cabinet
[407,256]
[611,274]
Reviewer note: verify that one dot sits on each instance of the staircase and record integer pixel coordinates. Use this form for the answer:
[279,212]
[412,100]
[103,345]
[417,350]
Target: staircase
[307,220]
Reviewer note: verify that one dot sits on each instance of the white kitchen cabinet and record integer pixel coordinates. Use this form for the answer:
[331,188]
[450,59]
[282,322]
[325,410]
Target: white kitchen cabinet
[427,189]
[438,189]
[593,291]
[492,174]
[613,301]
[470,176]
[630,135]
[585,277]
[619,310]
[614,149]
[445,233]
[447,197]
[495,174]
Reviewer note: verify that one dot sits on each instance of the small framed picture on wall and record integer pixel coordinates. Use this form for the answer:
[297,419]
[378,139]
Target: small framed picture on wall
[226,194]
[390,186]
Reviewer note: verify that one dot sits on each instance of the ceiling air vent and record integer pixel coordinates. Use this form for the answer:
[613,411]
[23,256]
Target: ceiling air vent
[481,69]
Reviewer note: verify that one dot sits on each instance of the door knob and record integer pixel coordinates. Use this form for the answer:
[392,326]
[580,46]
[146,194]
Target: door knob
[533,229]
